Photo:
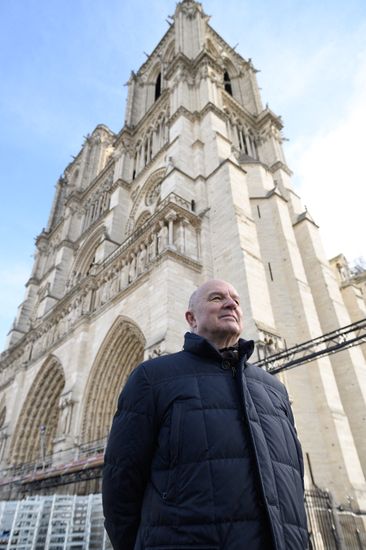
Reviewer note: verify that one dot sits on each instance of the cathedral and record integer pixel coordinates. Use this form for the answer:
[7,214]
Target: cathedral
[194,186]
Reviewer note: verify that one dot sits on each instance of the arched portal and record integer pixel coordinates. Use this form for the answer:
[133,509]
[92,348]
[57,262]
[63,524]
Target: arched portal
[121,351]
[40,413]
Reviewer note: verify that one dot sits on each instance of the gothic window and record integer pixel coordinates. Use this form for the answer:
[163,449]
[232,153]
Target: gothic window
[150,146]
[154,139]
[158,87]
[86,258]
[241,139]
[254,147]
[227,83]
[134,166]
[75,176]
[146,151]
[243,142]
[96,209]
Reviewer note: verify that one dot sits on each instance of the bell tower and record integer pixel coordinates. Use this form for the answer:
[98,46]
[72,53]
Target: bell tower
[195,185]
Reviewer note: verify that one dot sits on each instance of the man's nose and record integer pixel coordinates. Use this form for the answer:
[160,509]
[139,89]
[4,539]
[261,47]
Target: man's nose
[230,302]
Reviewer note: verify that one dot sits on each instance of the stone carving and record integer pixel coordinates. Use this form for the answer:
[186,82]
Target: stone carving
[189,9]
[124,274]
[155,352]
[171,231]
[162,237]
[153,195]
[141,262]
[66,406]
[268,344]
[132,268]
[152,247]
[343,271]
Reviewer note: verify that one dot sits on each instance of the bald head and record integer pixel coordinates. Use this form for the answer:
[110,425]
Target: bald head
[214,312]
[194,299]
[201,290]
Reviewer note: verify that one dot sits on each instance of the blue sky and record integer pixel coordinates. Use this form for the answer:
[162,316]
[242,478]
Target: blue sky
[63,66]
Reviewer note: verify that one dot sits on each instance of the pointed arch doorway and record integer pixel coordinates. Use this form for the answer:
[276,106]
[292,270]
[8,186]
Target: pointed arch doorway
[38,420]
[121,351]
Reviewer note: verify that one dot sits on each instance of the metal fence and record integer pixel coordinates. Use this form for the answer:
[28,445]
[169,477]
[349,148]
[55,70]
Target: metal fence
[331,527]
[58,522]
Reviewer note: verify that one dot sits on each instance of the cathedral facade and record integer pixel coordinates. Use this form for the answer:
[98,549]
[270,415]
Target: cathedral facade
[194,186]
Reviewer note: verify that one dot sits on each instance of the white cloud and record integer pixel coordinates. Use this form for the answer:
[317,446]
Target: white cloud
[330,170]
[299,71]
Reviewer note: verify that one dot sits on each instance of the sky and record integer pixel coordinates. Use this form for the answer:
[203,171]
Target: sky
[63,69]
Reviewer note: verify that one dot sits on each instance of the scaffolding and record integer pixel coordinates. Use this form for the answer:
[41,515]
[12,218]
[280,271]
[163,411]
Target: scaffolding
[63,468]
[65,522]
[7,513]
[58,522]
[327,344]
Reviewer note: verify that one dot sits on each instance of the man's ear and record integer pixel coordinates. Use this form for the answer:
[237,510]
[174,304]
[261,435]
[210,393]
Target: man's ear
[190,318]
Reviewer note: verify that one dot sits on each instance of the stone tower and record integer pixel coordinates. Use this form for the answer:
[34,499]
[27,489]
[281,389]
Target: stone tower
[195,185]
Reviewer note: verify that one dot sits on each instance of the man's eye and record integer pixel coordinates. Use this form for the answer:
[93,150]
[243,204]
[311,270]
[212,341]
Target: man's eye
[216,298]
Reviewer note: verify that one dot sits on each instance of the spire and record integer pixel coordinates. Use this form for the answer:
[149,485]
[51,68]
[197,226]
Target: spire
[190,8]
[190,21]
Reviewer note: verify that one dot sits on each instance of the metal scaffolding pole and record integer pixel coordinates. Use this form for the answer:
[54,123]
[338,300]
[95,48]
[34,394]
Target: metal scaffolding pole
[327,344]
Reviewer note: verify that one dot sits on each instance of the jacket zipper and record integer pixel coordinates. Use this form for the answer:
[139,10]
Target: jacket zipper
[226,364]
[257,466]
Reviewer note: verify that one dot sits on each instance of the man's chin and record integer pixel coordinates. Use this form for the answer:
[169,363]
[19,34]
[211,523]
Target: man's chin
[231,330]
[230,324]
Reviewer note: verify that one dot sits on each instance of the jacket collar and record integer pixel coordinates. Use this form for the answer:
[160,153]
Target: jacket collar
[200,346]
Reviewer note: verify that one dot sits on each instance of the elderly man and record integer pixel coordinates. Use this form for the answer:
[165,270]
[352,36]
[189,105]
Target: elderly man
[203,453]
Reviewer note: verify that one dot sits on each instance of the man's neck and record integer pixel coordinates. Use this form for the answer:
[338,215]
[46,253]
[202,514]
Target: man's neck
[221,343]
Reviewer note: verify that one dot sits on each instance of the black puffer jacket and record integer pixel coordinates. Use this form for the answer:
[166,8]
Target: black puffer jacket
[200,457]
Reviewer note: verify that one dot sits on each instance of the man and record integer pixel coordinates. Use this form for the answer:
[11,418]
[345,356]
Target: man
[203,453]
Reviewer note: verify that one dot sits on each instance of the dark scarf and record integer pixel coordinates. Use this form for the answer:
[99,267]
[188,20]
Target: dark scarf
[230,354]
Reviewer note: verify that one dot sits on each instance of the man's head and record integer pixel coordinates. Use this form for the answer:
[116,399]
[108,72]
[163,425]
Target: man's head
[214,312]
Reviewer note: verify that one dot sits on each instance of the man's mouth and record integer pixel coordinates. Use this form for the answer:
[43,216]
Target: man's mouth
[228,317]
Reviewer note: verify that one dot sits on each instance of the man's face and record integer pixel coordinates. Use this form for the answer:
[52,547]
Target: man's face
[216,314]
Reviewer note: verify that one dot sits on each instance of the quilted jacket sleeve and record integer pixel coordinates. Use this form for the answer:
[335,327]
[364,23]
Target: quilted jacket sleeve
[298,446]
[127,461]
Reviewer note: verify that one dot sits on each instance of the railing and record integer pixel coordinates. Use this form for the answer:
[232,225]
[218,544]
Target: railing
[331,527]
[81,457]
